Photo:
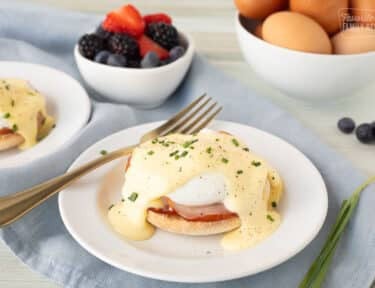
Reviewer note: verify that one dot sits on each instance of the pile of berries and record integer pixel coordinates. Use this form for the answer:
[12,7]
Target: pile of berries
[365,132]
[126,39]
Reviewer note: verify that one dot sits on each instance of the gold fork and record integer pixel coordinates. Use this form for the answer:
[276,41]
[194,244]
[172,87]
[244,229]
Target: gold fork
[189,120]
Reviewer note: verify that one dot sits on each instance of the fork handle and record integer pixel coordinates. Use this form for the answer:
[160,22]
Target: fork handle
[13,207]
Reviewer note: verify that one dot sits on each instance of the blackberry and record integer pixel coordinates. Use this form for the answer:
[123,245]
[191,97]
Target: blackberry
[89,45]
[165,35]
[124,45]
[102,33]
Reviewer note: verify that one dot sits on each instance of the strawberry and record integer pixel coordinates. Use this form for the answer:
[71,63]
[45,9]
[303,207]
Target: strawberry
[147,45]
[127,20]
[159,17]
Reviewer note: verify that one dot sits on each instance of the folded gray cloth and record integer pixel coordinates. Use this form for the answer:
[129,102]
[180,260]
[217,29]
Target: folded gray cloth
[46,36]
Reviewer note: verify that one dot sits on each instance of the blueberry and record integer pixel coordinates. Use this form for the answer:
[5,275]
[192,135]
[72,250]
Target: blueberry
[176,52]
[373,130]
[150,60]
[116,60]
[346,125]
[364,133]
[102,56]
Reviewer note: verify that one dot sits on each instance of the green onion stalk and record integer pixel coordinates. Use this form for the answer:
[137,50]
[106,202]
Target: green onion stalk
[319,268]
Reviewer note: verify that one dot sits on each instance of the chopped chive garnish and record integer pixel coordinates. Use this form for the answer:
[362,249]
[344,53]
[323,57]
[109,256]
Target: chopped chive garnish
[187,144]
[173,153]
[239,172]
[217,139]
[246,149]
[176,157]
[269,217]
[7,87]
[209,150]
[256,163]
[235,142]
[224,160]
[15,127]
[150,152]
[183,154]
[274,204]
[133,196]
[110,206]
[6,115]
[12,103]
[103,152]
[154,141]
[122,200]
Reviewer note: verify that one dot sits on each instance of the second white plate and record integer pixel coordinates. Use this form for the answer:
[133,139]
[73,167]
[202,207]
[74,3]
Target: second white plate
[166,256]
[67,101]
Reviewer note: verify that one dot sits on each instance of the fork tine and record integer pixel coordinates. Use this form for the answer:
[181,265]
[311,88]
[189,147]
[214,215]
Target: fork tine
[206,122]
[172,121]
[187,119]
[189,127]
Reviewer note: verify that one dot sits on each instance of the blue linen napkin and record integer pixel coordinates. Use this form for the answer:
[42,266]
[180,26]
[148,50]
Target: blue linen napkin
[46,36]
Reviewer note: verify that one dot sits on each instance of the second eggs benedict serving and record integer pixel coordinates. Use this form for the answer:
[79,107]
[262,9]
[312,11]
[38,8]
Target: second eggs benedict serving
[201,184]
[23,115]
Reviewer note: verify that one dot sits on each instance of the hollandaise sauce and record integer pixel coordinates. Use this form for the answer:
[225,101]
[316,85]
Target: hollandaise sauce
[159,167]
[24,109]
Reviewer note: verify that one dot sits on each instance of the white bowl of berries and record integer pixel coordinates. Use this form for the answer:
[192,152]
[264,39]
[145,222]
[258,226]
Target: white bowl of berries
[134,60]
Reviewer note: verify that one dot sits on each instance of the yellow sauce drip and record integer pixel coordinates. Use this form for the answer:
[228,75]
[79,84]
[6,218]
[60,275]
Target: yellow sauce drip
[21,104]
[253,187]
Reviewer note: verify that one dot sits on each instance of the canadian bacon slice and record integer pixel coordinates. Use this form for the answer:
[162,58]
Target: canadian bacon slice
[212,212]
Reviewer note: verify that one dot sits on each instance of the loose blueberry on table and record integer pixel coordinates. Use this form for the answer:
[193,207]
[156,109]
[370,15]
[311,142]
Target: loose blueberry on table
[126,39]
[365,132]
[346,125]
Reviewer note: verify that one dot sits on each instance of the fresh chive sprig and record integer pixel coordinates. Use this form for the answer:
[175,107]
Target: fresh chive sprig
[319,268]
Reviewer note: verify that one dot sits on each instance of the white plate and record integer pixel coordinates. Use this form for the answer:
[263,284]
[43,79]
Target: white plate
[67,102]
[194,259]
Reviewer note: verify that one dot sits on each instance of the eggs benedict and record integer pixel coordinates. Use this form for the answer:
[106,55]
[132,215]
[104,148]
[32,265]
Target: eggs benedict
[201,184]
[23,115]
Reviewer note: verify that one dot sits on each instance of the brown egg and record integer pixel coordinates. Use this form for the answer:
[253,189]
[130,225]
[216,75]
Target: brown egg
[296,31]
[354,40]
[258,30]
[259,9]
[326,12]
[364,11]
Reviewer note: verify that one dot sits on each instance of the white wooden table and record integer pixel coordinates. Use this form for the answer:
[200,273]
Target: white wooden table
[211,24]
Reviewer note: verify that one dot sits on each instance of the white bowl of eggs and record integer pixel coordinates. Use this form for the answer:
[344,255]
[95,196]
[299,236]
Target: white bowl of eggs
[309,49]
